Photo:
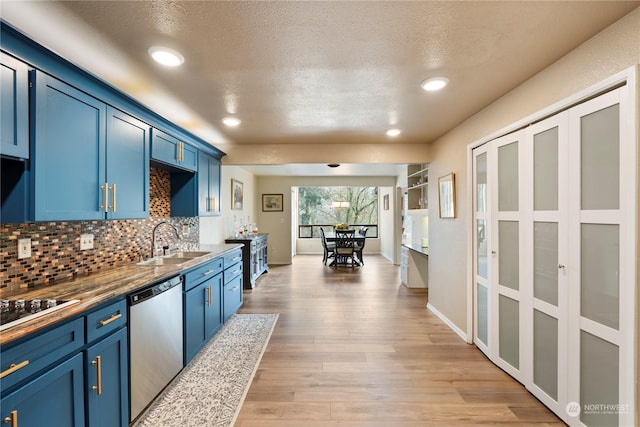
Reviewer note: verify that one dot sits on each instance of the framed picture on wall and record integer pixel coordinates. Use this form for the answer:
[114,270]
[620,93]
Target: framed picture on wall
[237,195]
[385,202]
[272,202]
[447,195]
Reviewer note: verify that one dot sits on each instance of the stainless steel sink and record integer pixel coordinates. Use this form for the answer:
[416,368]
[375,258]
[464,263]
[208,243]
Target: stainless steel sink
[192,254]
[165,261]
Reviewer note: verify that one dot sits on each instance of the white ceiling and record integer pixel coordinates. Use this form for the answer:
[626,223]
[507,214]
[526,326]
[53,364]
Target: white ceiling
[315,72]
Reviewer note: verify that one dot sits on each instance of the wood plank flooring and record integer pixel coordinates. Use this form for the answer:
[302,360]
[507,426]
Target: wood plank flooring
[354,347]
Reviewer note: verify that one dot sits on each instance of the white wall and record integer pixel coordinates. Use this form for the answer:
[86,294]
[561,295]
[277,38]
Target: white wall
[607,53]
[214,230]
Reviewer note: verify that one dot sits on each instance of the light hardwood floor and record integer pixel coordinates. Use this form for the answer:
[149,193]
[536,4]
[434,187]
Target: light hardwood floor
[354,347]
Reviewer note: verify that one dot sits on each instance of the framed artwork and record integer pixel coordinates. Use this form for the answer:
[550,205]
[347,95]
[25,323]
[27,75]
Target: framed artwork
[272,203]
[447,195]
[237,195]
[385,202]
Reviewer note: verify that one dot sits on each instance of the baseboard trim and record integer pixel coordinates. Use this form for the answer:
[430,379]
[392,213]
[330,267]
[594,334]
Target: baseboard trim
[448,322]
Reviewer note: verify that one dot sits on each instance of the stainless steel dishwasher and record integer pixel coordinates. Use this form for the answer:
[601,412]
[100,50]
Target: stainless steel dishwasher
[155,340]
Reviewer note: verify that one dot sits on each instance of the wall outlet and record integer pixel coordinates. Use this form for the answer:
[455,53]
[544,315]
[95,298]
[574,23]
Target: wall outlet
[86,241]
[24,248]
[185,229]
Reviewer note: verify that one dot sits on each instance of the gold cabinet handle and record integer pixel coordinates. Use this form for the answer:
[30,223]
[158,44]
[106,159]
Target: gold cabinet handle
[182,149]
[12,418]
[98,387]
[105,197]
[234,289]
[210,297]
[206,297]
[14,367]
[113,198]
[110,319]
[208,272]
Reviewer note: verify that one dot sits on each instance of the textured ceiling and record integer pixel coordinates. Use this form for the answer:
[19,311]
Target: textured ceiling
[315,72]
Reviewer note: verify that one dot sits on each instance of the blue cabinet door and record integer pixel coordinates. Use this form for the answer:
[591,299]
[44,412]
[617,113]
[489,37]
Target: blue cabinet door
[214,311]
[168,149]
[54,398]
[232,297]
[108,398]
[127,165]
[208,185]
[67,157]
[202,315]
[14,107]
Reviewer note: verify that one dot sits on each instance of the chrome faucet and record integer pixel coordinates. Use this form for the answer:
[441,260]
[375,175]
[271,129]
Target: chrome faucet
[153,236]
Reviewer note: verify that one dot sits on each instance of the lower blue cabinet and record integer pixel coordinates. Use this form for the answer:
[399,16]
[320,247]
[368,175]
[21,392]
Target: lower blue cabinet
[54,398]
[202,315]
[107,388]
[232,297]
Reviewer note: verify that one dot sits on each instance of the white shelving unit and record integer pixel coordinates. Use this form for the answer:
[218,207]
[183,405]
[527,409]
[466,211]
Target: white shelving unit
[418,183]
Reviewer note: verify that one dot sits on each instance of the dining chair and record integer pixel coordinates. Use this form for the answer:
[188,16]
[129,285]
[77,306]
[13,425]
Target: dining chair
[359,246]
[345,248]
[329,248]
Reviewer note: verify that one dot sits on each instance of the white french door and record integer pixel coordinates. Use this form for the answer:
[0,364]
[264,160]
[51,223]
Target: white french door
[555,259]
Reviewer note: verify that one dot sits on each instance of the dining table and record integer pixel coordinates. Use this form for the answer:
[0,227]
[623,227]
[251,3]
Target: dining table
[358,239]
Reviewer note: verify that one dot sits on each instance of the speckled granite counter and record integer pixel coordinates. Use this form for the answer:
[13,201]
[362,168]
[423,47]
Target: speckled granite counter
[98,288]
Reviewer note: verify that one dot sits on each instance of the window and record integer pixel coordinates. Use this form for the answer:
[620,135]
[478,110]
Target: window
[324,207]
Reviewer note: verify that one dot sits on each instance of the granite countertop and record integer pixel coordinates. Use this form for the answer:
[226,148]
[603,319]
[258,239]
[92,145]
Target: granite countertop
[416,247]
[97,288]
[245,237]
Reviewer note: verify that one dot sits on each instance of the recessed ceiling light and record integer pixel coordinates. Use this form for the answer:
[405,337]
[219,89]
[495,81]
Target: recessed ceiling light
[434,83]
[166,56]
[393,132]
[231,121]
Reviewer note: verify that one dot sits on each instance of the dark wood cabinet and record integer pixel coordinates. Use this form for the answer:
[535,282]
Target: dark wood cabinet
[254,257]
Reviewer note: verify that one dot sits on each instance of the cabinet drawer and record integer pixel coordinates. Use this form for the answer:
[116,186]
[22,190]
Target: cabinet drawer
[106,319]
[232,272]
[232,297]
[202,273]
[232,258]
[39,352]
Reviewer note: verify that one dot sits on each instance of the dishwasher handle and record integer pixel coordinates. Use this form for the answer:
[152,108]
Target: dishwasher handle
[153,290]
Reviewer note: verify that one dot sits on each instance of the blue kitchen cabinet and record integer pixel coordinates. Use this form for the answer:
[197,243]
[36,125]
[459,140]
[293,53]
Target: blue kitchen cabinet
[127,165]
[89,161]
[107,389]
[54,398]
[232,296]
[171,151]
[202,315]
[208,185]
[14,107]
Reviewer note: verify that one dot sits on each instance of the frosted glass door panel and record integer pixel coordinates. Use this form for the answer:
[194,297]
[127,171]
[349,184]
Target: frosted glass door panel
[509,254]
[545,353]
[600,159]
[599,369]
[509,330]
[481,182]
[481,250]
[483,313]
[545,170]
[545,262]
[600,260]
[508,177]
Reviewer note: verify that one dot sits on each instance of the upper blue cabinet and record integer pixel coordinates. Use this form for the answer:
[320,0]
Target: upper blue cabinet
[14,107]
[89,161]
[208,185]
[170,150]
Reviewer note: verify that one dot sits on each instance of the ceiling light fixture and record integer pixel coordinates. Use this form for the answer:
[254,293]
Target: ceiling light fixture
[393,132]
[434,83]
[166,56]
[231,121]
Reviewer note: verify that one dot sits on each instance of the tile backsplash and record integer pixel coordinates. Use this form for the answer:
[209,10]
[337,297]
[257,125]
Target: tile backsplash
[55,246]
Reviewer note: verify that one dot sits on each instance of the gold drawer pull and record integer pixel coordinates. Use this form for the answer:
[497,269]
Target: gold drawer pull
[98,387]
[13,419]
[111,319]
[13,367]
[234,289]
[208,272]
[235,271]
